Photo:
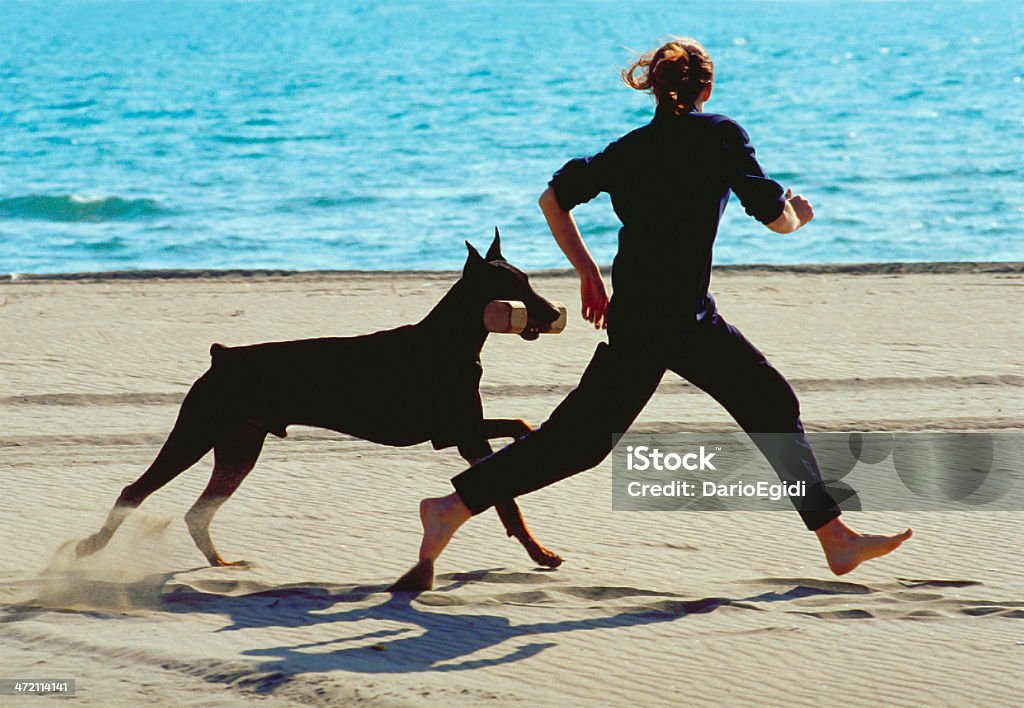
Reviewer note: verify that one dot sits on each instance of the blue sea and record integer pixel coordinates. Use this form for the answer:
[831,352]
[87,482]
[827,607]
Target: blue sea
[379,135]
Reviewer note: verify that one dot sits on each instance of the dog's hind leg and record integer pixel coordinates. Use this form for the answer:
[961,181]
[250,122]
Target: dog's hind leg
[234,455]
[192,437]
[181,450]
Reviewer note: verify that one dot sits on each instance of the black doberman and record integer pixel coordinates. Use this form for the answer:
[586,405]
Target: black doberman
[397,387]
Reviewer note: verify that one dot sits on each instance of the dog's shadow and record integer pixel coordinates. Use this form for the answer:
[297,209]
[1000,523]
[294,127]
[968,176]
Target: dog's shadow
[434,640]
[424,639]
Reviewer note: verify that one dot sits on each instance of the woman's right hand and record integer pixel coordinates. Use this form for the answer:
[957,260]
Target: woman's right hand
[595,299]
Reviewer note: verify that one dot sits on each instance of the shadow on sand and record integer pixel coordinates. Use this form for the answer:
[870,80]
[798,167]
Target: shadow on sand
[439,640]
[407,632]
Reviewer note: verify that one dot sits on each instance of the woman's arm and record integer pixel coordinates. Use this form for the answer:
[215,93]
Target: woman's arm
[567,235]
[796,213]
[759,194]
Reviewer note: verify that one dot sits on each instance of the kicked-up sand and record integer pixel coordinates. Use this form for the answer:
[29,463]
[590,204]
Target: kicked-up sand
[655,608]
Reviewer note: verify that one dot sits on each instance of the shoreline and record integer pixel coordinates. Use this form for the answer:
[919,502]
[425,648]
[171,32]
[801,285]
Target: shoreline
[893,267]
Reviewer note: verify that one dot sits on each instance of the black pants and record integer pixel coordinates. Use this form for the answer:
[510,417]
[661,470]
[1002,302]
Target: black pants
[616,386]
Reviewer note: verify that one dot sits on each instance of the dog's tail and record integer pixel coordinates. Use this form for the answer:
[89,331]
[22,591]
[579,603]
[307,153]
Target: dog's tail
[230,363]
[217,353]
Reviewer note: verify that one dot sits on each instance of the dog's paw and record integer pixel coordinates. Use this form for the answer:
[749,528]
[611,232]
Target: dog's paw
[419,579]
[544,557]
[88,546]
[241,564]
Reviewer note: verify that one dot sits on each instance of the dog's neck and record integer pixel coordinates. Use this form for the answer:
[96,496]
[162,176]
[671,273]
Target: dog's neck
[459,318]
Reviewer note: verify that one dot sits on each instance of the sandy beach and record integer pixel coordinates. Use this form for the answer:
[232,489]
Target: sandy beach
[656,608]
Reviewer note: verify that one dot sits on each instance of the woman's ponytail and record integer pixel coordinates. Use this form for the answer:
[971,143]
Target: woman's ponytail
[676,73]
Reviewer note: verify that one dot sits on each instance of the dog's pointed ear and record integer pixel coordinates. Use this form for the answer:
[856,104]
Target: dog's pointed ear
[494,252]
[473,258]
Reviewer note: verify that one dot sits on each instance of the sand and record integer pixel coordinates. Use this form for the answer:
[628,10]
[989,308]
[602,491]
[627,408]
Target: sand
[653,608]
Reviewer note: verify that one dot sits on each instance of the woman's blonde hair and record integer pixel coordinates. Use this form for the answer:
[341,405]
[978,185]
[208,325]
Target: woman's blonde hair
[676,73]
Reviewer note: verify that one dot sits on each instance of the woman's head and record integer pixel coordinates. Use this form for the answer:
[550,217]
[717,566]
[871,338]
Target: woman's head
[677,73]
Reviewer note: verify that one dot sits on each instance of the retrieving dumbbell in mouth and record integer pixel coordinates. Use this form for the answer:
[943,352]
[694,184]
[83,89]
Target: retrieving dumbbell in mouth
[511,317]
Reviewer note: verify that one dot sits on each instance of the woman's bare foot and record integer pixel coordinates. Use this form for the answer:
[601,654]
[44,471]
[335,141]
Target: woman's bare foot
[441,518]
[845,549]
[418,579]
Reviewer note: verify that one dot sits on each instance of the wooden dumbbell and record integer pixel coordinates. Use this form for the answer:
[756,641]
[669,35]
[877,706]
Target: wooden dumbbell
[510,317]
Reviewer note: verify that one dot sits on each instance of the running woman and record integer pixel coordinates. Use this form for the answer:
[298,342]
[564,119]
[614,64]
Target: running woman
[669,183]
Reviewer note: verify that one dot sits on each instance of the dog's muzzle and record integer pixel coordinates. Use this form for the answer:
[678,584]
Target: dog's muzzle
[532,331]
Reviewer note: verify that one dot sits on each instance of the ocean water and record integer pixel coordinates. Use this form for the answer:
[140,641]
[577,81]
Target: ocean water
[379,135]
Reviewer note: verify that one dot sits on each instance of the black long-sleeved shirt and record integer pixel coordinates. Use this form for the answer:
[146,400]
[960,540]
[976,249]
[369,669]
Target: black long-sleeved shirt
[669,183]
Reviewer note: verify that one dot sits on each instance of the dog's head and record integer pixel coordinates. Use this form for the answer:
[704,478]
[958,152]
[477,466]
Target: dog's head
[494,278]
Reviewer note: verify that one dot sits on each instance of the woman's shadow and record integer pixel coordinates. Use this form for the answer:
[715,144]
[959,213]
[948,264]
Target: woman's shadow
[425,640]
[431,641]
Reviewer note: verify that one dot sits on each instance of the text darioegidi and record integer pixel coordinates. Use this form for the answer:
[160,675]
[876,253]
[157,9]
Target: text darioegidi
[677,488]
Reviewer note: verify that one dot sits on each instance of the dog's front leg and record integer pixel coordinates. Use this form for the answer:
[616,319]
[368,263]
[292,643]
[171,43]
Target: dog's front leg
[506,428]
[508,511]
[512,518]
